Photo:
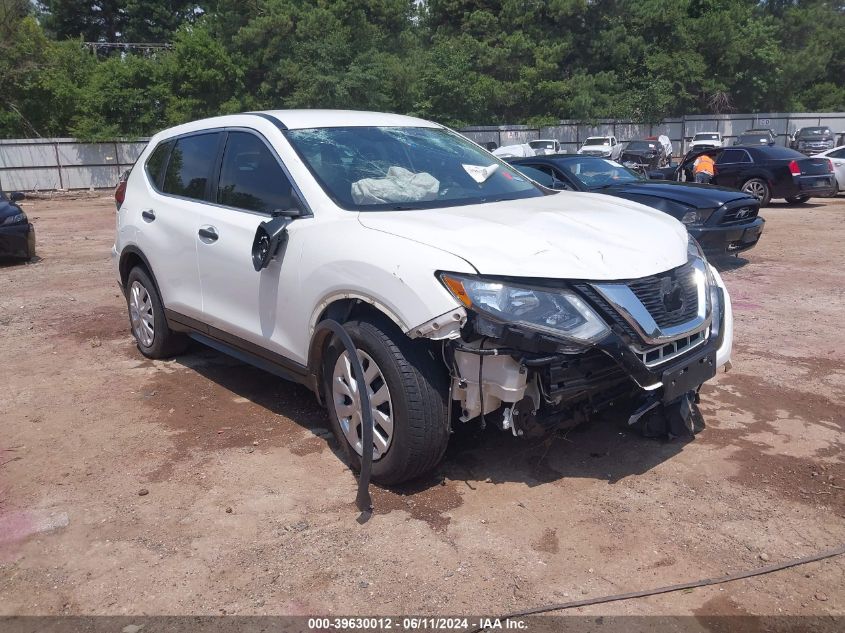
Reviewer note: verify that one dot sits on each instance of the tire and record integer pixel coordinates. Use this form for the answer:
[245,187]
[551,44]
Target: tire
[146,318]
[797,199]
[417,390]
[758,188]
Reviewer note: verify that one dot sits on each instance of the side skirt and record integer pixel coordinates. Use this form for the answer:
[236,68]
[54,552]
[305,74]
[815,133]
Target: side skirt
[241,349]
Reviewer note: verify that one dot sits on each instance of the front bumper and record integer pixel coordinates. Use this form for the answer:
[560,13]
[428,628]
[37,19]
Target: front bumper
[17,241]
[728,239]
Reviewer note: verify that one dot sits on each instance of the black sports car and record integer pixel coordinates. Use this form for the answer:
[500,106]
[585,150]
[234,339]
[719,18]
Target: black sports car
[17,235]
[764,172]
[722,220]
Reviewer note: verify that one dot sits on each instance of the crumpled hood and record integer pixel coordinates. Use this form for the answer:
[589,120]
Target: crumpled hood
[568,235]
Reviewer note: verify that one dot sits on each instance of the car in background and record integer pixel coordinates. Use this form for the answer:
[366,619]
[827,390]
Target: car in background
[644,155]
[764,172]
[723,221]
[513,151]
[603,146]
[545,146]
[17,235]
[706,140]
[812,140]
[837,157]
[755,137]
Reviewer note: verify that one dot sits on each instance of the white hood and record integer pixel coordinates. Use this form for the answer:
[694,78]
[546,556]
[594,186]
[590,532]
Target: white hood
[565,236]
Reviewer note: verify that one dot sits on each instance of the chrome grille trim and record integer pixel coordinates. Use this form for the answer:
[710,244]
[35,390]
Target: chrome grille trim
[623,300]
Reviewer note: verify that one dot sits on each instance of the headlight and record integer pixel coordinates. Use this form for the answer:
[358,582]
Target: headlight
[694,250]
[20,218]
[558,312]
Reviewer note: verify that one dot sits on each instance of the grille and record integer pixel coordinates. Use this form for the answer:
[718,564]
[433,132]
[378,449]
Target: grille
[676,285]
[653,356]
[739,215]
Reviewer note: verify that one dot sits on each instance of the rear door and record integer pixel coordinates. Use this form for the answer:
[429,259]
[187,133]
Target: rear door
[237,300]
[169,222]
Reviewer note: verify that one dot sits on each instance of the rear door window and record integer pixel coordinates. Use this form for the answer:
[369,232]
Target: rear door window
[190,165]
[251,177]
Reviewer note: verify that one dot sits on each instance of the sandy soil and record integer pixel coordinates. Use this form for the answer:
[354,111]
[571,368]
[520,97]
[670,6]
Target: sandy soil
[249,509]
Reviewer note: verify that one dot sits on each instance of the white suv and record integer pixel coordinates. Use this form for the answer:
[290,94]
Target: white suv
[472,293]
[604,146]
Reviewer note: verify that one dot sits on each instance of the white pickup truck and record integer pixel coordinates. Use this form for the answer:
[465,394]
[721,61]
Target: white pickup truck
[604,146]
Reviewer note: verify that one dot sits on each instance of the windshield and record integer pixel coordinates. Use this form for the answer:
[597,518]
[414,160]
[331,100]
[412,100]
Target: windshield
[399,168]
[815,131]
[641,146]
[597,140]
[706,137]
[542,144]
[596,173]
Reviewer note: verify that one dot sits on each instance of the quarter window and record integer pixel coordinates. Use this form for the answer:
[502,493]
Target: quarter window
[190,165]
[155,163]
[251,177]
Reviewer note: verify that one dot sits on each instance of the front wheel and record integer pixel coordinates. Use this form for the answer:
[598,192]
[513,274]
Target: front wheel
[408,389]
[758,188]
[797,199]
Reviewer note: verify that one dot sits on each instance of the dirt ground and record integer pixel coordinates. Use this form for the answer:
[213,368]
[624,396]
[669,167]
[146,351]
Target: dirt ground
[249,509]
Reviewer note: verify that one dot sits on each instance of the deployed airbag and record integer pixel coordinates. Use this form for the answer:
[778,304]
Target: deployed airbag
[399,185]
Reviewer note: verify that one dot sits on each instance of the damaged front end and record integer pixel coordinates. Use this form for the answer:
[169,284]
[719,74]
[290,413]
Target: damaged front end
[536,355]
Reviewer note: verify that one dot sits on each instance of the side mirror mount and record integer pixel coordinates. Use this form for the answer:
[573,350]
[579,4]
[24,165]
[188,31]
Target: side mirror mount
[17,196]
[272,235]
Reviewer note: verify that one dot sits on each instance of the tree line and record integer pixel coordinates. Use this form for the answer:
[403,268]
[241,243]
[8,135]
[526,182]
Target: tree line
[79,68]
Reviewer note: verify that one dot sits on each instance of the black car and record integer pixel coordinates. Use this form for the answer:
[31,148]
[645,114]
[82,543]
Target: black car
[17,235]
[644,155]
[722,220]
[755,138]
[764,172]
[812,140]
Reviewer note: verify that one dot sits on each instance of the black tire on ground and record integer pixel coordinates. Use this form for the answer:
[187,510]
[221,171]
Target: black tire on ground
[166,342]
[797,199]
[758,188]
[418,384]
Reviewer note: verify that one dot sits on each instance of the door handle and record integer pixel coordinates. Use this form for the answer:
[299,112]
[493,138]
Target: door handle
[148,214]
[208,234]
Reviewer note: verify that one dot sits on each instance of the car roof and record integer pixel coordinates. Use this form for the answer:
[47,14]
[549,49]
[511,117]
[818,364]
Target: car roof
[299,119]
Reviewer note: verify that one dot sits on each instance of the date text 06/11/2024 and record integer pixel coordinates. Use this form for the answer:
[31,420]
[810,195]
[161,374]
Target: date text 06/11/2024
[415,624]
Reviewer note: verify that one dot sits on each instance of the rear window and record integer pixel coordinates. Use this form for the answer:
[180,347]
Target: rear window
[189,167]
[155,163]
[776,152]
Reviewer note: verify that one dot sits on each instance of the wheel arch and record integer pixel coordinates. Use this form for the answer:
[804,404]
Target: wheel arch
[130,257]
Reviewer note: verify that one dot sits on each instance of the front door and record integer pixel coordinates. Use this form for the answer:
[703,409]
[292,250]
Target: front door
[237,300]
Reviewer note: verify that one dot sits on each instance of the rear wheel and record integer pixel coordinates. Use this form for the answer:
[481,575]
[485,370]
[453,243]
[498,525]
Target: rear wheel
[758,188]
[146,316]
[797,199]
[408,391]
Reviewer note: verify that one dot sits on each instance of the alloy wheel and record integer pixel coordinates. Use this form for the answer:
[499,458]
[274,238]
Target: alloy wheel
[141,314]
[755,188]
[347,403]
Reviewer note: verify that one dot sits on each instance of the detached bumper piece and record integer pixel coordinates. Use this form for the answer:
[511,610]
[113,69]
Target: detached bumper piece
[17,241]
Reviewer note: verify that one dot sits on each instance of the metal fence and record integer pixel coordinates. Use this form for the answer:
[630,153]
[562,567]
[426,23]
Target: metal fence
[571,134]
[64,163]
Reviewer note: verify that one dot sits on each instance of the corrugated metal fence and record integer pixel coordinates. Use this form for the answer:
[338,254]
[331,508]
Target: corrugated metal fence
[680,130]
[64,163]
